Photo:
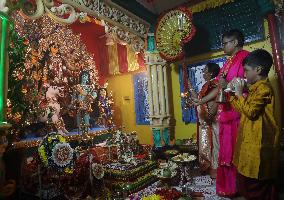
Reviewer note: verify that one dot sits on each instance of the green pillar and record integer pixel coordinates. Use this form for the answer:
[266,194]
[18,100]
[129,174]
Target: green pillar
[157,137]
[3,71]
[166,136]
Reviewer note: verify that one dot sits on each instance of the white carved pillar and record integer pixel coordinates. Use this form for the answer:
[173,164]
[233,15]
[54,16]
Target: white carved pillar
[161,91]
[158,85]
[150,91]
[166,90]
[155,90]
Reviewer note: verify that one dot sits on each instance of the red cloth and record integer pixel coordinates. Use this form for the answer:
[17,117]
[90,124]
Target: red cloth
[140,60]
[92,35]
[103,57]
[122,58]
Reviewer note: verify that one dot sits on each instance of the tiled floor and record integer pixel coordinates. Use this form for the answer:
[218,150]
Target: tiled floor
[202,184]
[239,198]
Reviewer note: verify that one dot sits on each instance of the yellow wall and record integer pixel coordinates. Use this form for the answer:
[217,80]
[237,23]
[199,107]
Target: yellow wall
[122,85]
[124,110]
[182,130]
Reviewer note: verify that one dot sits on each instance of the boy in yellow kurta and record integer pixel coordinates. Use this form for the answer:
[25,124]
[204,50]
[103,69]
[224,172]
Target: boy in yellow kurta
[257,146]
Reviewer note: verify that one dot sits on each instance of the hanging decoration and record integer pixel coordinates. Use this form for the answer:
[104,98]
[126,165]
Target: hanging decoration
[173,30]
[124,37]
[113,14]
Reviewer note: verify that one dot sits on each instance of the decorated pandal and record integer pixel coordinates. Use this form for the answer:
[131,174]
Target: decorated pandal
[62,122]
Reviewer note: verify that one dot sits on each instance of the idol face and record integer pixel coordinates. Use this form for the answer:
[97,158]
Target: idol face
[85,78]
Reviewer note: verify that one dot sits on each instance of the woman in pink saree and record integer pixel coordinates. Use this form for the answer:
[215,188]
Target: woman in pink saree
[228,119]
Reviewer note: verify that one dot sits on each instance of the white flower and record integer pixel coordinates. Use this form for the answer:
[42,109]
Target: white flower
[62,154]
[98,170]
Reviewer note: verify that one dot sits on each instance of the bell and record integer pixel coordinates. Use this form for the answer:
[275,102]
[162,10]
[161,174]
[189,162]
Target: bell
[221,97]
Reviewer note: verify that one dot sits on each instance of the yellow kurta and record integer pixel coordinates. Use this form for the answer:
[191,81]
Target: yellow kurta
[257,147]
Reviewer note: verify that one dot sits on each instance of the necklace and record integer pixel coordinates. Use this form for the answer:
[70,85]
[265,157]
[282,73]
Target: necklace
[227,66]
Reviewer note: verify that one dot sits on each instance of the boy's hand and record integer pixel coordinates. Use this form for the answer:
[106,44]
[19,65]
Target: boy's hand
[239,87]
[223,83]
[230,85]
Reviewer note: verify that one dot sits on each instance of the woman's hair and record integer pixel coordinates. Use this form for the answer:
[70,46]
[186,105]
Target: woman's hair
[213,69]
[236,34]
[259,58]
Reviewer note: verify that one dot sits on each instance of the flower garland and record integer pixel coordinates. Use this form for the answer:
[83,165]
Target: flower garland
[55,152]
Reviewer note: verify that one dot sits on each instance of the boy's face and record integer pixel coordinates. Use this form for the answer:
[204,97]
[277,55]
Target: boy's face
[251,74]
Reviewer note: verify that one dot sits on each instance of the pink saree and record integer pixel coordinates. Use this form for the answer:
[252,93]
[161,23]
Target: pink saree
[228,120]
